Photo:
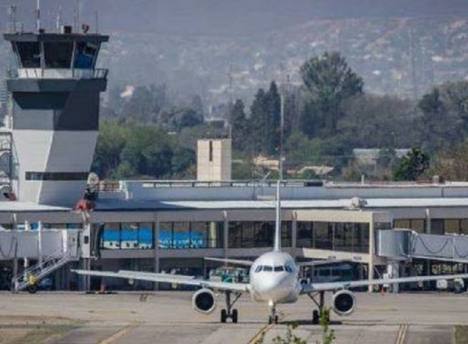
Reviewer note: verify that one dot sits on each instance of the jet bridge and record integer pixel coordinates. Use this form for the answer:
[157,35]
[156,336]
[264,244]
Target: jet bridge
[404,244]
[49,249]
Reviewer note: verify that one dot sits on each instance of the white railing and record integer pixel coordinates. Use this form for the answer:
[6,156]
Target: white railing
[59,73]
[32,275]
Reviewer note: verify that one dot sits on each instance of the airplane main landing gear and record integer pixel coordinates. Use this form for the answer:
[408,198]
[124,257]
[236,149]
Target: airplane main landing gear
[229,312]
[317,313]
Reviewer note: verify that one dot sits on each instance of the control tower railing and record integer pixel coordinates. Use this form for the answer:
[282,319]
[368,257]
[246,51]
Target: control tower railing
[58,73]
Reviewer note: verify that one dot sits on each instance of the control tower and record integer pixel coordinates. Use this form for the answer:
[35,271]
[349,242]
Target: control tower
[55,89]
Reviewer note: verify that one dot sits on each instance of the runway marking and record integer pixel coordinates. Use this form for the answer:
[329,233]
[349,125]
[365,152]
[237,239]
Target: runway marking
[401,337]
[119,334]
[256,338]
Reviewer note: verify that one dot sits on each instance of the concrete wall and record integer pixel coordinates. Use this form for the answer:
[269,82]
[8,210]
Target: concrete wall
[214,160]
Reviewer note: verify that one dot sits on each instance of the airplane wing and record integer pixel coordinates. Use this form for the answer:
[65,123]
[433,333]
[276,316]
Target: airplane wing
[167,278]
[313,287]
[230,261]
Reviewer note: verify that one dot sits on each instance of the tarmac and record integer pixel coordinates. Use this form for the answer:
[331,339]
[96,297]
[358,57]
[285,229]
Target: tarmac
[168,317]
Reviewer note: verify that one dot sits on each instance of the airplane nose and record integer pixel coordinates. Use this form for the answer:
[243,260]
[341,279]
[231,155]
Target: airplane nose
[270,286]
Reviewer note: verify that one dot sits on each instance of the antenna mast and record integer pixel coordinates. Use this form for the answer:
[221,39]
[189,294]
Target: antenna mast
[38,15]
[277,242]
[12,18]
[58,23]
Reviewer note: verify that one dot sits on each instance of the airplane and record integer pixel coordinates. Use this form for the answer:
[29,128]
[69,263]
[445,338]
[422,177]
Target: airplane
[274,280]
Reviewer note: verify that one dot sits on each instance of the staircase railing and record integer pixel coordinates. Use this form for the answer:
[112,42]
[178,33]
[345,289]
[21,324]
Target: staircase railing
[30,277]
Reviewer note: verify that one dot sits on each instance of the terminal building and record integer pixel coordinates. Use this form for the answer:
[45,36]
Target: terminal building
[401,229]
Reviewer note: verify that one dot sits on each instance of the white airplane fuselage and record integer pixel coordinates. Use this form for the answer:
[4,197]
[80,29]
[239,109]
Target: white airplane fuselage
[274,278]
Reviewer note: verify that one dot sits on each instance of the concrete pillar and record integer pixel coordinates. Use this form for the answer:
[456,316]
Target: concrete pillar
[428,221]
[427,263]
[225,234]
[371,252]
[85,280]
[393,271]
[156,231]
[294,235]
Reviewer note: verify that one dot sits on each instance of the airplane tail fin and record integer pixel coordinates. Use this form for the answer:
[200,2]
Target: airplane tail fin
[277,242]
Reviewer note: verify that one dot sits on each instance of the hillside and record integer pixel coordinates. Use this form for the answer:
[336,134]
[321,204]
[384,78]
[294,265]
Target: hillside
[399,47]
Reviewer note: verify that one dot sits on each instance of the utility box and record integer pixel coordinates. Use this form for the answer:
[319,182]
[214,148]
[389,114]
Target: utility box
[214,160]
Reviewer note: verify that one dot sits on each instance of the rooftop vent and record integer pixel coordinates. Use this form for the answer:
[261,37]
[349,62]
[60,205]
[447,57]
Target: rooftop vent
[66,29]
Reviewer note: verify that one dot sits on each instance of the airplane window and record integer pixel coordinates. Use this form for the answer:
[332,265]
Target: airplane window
[279,268]
[267,268]
[258,268]
[288,268]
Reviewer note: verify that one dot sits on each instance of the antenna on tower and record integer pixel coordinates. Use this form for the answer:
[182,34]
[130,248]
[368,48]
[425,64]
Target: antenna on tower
[281,150]
[38,15]
[96,17]
[12,18]
[76,16]
[58,23]
[230,105]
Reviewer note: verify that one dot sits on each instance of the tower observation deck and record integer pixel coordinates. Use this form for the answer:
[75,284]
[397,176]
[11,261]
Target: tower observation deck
[55,89]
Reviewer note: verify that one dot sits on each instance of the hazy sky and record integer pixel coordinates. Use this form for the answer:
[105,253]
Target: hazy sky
[224,16]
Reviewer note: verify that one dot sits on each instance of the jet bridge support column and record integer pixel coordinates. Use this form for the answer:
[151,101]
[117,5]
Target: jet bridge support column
[294,234]
[156,251]
[393,271]
[371,253]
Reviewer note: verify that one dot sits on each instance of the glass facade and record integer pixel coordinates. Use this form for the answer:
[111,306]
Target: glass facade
[417,225]
[179,235]
[438,226]
[58,54]
[250,234]
[127,236]
[29,53]
[339,236]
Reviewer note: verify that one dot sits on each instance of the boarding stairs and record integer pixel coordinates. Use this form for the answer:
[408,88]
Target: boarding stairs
[30,277]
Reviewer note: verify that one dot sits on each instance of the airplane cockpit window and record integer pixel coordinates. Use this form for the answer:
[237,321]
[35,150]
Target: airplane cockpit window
[258,268]
[267,268]
[279,268]
[288,268]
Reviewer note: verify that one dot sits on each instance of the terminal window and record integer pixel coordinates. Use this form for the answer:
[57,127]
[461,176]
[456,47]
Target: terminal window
[251,234]
[61,176]
[345,236]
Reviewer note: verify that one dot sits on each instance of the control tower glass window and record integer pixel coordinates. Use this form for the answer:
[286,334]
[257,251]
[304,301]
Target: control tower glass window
[29,53]
[84,55]
[58,54]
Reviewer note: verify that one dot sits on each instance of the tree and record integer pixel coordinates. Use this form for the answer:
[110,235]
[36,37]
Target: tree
[439,125]
[265,121]
[452,164]
[329,81]
[456,100]
[412,166]
[182,160]
[372,121]
[110,143]
[239,125]
[258,114]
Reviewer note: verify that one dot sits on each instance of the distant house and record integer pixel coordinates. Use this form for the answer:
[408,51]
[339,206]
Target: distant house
[273,165]
[369,156]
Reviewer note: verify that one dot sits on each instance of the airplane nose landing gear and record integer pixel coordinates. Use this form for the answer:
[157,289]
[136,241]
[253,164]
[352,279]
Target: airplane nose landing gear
[273,318]
[229,312]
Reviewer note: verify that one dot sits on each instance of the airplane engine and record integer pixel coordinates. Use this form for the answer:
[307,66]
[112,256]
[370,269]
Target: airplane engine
[343,302]
[204,301]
